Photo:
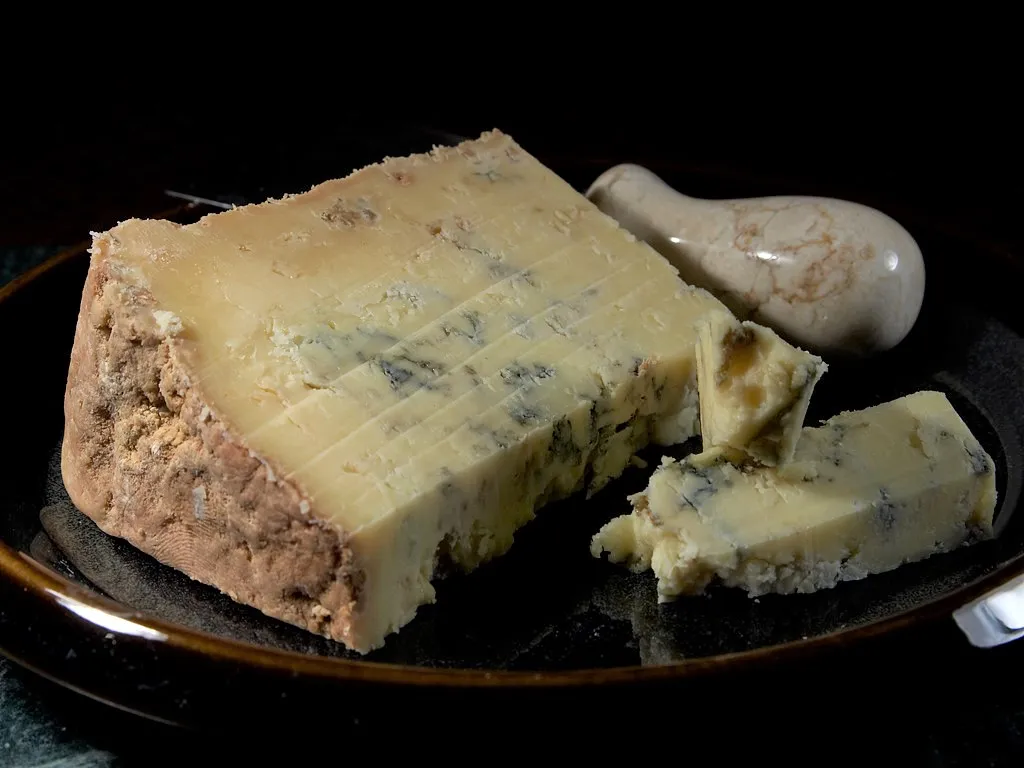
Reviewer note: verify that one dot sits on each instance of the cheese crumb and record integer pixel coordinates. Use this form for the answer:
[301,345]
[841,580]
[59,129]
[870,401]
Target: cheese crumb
[199,501]
[304,507]
[168,322]
[271,477]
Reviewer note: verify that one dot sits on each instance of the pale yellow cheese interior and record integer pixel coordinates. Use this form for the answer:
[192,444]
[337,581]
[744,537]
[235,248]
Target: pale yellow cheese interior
[866,492]
[754,388]
[430,348]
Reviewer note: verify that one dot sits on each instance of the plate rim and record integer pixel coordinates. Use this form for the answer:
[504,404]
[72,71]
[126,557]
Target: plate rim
[55,590]
[46,586]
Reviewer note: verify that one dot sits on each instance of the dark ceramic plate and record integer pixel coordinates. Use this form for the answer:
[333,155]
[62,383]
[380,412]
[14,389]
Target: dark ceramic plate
[546,619]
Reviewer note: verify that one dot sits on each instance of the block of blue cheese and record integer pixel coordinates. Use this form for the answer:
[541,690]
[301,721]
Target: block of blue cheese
[311,402]
[864,493]
[754,388]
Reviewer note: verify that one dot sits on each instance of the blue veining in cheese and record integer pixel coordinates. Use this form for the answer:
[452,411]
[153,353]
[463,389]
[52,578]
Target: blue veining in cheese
[864,493]
[429,349]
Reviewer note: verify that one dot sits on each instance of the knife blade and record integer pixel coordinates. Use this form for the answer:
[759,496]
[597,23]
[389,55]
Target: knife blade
[995,618]
[419,138]
[197,200]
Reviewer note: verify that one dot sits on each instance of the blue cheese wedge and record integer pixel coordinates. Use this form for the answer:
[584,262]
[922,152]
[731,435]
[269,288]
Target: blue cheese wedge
[754,388]
[311,402]
[865,492]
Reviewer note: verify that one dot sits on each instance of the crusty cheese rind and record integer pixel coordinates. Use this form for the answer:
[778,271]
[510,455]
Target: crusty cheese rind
[145,458]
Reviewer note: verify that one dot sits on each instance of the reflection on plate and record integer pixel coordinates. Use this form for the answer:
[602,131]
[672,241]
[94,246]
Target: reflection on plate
[548,604]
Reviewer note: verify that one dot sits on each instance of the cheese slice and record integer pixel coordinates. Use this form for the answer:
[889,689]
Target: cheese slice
[754,388]
[865,492]
[311,402]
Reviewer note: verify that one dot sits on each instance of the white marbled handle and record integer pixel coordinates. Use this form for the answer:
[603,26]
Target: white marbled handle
[831,275]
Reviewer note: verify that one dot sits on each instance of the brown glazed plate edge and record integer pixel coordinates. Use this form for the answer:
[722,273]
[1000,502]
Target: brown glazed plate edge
[47,588]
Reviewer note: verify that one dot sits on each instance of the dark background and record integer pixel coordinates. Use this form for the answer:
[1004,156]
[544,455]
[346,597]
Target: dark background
[938,153]
[947,157]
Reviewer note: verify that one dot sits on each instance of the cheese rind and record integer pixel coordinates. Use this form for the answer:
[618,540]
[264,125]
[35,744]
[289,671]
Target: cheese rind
[865,492]
[352,383]
[754,388]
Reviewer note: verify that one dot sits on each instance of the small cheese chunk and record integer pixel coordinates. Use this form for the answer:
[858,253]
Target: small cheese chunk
[754,388]
[865,492]
[390,370]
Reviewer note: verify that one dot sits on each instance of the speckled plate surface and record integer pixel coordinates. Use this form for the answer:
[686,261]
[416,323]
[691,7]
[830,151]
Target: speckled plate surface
[93,613]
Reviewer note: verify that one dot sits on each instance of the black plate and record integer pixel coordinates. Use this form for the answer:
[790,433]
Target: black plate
[546,616]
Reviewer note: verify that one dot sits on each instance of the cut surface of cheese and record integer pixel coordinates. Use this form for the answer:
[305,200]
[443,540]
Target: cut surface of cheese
[754,388]
[309,402]
[865,492]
